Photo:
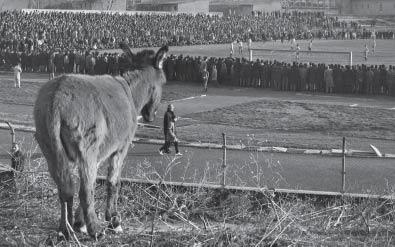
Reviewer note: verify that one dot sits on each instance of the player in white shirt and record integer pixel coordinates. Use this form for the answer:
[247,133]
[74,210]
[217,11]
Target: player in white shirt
[297,52]
[240,47]
[366,52]
[231,49]
[17,75]
[310,45]
[374,46]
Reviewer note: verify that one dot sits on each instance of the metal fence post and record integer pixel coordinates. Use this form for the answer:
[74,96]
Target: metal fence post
[344,167]
[12,132]
[223,183]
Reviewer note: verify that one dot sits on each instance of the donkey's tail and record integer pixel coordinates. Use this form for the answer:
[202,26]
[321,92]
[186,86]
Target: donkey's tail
[63,139]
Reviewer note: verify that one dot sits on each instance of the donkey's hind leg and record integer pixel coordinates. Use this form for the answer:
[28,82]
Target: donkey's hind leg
[79,221]
[60,172]
[88,172]
[113,185]
[66,194]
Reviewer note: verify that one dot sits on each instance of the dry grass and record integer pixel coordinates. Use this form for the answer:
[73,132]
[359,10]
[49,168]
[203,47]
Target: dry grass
[162,215]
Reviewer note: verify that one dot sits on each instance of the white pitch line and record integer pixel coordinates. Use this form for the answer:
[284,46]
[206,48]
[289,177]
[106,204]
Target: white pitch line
[354,105]
[184,118]
[189,98]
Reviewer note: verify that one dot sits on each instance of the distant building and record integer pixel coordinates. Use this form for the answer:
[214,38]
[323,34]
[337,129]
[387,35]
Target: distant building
[367,7]
[232,9]
[244,7]
[327,6]
[117,5]
[183,6]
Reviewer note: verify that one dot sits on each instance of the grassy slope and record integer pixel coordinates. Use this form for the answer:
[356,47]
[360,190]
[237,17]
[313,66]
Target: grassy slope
[196,218]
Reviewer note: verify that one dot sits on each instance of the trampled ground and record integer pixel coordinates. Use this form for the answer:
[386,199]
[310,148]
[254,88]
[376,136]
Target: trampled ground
[252,116]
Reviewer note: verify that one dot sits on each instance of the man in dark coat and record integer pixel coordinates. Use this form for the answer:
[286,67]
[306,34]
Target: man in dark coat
[169,129]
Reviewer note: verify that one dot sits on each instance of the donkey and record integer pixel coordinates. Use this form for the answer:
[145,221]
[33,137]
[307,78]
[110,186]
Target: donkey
[84,121]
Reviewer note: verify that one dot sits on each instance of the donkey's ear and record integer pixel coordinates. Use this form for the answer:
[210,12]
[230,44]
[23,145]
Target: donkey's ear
[160,57]
[126,49]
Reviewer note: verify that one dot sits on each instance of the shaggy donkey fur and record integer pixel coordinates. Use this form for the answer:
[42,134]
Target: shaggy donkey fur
[83,121]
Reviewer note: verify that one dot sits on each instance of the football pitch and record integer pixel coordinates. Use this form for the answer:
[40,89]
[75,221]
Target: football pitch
[384,53]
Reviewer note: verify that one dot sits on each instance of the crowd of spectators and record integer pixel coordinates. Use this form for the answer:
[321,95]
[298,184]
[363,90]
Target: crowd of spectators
[68,42]
[325,78]
[332,78]
[39,31]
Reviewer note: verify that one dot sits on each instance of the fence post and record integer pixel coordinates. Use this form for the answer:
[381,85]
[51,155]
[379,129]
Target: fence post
[12,132]
[223,182]
[344,167]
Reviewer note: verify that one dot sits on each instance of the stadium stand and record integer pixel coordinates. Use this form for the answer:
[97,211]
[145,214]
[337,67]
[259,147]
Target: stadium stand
[68,42]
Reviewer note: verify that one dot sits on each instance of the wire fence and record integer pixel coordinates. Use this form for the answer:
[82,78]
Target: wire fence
[216,176]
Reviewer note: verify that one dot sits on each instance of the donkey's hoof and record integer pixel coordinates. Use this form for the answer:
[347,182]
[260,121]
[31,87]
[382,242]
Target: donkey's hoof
[115,222]
[117,229]
[99,235]
[82,229]
[63,236]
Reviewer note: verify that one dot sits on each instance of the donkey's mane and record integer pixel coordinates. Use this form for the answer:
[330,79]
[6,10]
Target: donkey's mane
[134,77]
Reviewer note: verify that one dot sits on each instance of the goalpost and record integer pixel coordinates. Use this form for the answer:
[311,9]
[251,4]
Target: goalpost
[304,56]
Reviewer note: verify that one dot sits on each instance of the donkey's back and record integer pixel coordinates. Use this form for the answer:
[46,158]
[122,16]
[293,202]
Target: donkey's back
[75,114]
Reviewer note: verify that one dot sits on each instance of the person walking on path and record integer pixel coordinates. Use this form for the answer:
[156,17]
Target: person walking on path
[169,128]
[17,75]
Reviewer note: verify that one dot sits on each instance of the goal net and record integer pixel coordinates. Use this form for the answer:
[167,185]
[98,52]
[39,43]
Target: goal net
[290,56]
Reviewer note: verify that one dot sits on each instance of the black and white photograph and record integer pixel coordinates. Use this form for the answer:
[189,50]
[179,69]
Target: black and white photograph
[197,123]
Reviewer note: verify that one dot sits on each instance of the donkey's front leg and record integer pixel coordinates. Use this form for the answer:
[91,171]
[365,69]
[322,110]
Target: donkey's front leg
[113,185]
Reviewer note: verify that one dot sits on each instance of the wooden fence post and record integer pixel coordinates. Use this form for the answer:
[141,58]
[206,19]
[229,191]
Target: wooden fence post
[343,190]
[223,182]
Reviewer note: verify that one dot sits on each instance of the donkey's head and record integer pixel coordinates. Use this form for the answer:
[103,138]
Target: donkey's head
[150,65]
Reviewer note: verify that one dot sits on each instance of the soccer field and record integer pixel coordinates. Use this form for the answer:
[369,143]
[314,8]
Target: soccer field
[385,51]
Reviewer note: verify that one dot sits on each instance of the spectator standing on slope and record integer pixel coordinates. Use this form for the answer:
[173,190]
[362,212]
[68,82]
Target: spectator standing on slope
[17,75]
[205,77]
[328,78]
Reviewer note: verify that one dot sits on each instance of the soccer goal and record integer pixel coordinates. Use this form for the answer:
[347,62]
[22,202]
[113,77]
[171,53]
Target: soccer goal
[289,56]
